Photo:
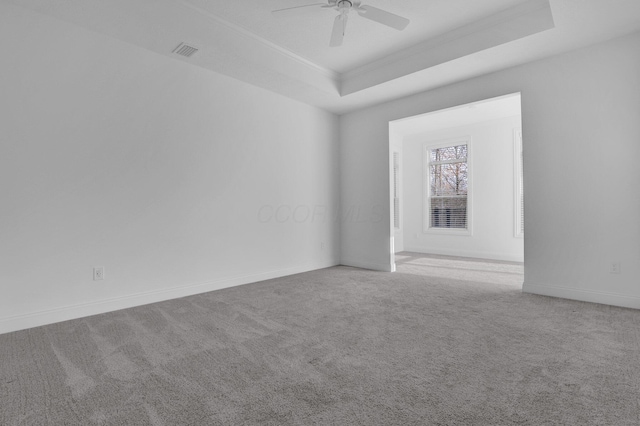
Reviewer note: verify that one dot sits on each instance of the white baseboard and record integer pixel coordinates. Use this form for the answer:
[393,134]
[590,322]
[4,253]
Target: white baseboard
[366,264]
[466,253]
[583,295]
[50,316]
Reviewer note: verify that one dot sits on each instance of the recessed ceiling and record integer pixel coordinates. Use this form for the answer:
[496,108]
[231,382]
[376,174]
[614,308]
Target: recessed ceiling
[307,33]
[446,41]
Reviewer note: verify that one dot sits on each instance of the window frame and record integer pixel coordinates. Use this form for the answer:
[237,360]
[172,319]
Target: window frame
[427,147]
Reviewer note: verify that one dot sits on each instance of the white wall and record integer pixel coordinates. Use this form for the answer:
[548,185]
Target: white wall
[581,137]
[157,170]
[491,200]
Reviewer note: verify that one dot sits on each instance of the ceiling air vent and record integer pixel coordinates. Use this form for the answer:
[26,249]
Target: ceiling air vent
[185,50]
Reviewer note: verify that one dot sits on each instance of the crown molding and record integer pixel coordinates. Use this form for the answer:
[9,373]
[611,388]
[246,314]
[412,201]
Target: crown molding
[508,25]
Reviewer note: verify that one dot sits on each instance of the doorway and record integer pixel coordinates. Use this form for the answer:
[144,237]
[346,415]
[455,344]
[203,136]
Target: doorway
[456,182]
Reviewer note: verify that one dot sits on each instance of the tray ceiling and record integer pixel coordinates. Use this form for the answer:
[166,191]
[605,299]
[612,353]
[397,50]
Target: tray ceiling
[306,33]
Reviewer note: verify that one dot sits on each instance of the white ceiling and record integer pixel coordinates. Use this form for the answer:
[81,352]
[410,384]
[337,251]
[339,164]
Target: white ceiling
[446,41]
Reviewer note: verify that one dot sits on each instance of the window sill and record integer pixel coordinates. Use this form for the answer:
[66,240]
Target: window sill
[448,231]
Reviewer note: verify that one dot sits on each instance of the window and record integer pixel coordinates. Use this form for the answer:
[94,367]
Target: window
[396,190]
[447,174]
[518,183]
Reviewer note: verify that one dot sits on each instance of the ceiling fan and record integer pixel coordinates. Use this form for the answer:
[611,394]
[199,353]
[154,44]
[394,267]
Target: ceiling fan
[344,7]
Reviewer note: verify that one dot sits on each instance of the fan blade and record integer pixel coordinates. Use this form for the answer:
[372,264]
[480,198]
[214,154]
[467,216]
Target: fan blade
[383,17]
[296,9]
[339,26]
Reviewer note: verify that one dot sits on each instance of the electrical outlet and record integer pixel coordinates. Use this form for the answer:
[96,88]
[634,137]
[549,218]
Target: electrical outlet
[98,273]
[615,268]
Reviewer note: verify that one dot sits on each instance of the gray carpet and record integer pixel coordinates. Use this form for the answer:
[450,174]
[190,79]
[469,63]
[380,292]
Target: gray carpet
[441,342]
